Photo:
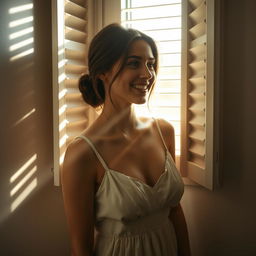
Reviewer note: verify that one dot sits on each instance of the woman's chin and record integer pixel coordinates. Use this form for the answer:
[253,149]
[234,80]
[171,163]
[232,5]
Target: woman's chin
[140,101]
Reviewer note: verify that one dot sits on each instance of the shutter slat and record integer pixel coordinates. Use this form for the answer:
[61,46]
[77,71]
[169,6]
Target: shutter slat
[197,106]
[80,2]
[75,9]
[198,135]
[196,3]
[198,30]
[72,67]
[75,35]
[198,68]
[197,86]
[71,83]
[71,45]
[198,14]
[75,55]
[197,49]
[197,149]
[73,128]
[198,160]
[198,121]
[197,93]
[75,22]
[198,52]
[77,113]
[198,41]
[197,89]
[197,78]
[74,99]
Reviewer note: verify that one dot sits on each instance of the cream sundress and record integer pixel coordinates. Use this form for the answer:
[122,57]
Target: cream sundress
[131,217]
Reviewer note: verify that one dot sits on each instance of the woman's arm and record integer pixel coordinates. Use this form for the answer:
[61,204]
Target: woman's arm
[78,178]
[179,223]
[176,214]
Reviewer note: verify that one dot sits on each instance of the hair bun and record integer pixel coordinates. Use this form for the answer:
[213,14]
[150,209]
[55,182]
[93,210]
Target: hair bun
[86,87]
[85,83]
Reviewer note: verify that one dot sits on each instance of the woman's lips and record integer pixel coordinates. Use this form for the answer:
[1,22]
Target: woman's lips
[142,87]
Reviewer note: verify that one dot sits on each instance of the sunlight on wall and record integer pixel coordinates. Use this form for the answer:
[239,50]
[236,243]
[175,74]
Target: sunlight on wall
[20,22]
[23,168]
[22,54]
[21,8]
[25,116]
[19,180]
[21,44]
[22,182]
[21,33]
[24,194]
[20,37]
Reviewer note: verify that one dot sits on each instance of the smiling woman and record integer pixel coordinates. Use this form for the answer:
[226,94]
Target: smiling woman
[119,176]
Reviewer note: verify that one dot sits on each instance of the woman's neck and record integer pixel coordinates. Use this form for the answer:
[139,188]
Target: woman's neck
[123,119]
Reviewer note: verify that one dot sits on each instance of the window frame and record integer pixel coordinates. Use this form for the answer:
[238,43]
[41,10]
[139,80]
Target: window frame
[99,15]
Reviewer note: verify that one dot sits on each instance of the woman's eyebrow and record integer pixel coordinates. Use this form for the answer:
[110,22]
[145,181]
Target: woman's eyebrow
[138,57]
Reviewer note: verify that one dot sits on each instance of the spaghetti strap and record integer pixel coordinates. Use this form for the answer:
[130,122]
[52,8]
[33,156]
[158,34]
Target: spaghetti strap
[95,151]
[160,133]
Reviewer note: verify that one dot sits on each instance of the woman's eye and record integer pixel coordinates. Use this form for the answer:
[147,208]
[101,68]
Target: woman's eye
[133,64]
[151,65]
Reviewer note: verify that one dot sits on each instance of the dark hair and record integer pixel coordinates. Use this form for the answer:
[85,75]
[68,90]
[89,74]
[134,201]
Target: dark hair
[106,48]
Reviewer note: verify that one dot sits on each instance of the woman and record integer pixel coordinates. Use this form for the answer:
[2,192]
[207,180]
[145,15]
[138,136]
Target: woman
[119,177]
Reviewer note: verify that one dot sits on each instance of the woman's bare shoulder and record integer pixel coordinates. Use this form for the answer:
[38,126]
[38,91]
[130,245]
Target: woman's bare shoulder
[79,158]
[165,126]
[168,133]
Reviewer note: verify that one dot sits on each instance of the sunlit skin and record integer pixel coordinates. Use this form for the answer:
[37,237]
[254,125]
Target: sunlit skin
[138,70]
[141,154]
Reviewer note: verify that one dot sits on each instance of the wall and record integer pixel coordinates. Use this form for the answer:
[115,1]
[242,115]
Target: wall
[31,218]
[220,223]
[223,222]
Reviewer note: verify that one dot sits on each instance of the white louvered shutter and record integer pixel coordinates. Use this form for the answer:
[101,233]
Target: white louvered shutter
[70,44]
[197,123]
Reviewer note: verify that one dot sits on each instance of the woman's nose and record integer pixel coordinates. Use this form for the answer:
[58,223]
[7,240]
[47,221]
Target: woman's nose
[146,73]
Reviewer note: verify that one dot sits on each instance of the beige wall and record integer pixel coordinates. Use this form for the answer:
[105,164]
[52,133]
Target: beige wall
[37,226]
[220,223]
[223,222]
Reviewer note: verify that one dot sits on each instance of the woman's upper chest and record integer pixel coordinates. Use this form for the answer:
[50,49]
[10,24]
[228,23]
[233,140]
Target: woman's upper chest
[142,157]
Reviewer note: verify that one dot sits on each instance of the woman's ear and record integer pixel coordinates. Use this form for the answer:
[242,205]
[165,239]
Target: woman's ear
[105,77]
[102,77]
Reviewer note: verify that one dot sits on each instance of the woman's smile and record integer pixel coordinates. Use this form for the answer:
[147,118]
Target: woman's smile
[141,88]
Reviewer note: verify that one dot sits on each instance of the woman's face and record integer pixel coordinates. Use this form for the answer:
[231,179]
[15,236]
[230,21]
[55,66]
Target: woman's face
[136,78]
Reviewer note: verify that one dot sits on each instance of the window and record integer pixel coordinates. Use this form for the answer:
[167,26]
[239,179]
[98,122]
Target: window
[186,89]
[162,21]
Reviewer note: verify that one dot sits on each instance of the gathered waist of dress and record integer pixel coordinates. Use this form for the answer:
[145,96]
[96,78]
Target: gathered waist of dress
[112,227]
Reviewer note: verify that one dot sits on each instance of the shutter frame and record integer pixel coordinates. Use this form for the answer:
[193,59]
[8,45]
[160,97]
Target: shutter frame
[198,117]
